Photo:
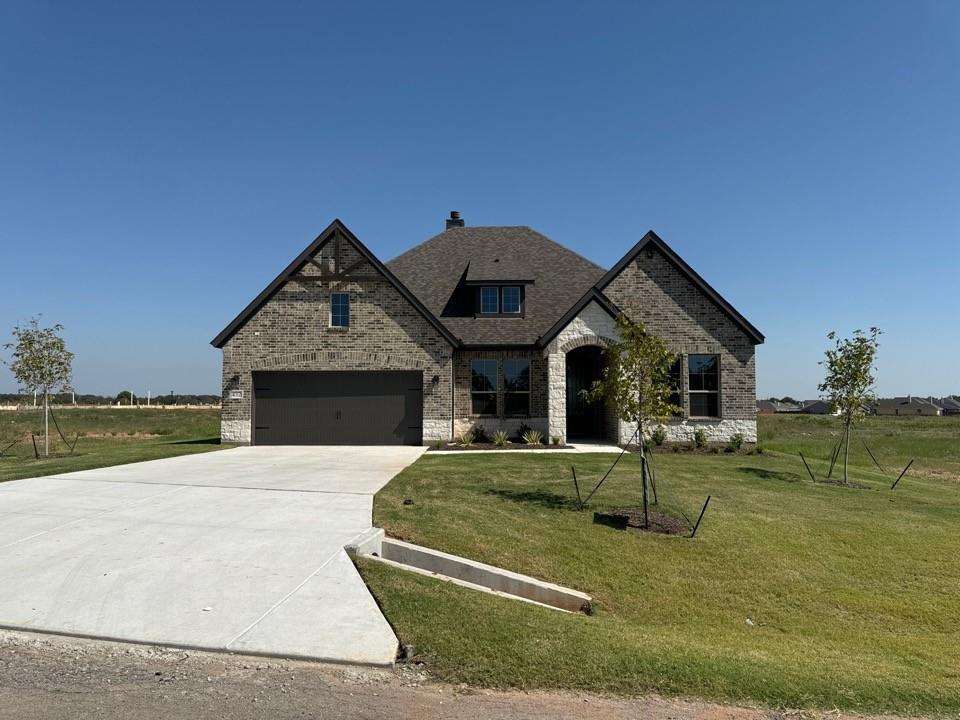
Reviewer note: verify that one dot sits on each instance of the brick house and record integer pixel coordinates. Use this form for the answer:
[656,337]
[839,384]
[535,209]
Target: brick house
[492,326]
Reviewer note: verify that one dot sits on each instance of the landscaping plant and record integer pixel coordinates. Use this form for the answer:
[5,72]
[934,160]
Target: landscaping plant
[849,381]
[532,437]
[40,362]
[500,438]
[636,383]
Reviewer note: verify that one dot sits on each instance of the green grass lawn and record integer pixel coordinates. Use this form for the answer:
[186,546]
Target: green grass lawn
[854,595]
[107,437]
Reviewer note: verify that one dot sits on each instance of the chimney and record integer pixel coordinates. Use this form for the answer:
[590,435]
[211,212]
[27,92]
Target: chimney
[454,220]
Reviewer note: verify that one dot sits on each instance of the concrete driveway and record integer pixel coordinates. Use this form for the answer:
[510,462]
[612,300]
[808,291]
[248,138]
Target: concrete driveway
[238,550]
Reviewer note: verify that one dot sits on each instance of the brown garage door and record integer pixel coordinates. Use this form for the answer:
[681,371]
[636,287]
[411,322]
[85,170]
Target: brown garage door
[337,408]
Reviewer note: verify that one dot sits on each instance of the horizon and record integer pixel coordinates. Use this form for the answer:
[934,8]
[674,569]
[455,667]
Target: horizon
[162,165]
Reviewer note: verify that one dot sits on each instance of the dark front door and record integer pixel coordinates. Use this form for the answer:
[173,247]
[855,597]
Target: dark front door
[337,408]
[584,367]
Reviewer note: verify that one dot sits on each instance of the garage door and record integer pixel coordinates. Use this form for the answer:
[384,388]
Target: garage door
[338,408]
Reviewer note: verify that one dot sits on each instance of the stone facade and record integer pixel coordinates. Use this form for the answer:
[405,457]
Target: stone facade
[291,331]
[592,326]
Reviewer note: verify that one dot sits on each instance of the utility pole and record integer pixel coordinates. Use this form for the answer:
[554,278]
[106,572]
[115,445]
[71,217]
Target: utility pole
[148,398]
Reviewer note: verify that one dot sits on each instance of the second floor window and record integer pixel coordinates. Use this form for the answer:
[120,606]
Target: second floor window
[339,309]
[489,300]
[704,385]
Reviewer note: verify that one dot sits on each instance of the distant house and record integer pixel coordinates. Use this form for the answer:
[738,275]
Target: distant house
[766,407]
[816,407]
[907,406]
[947,405]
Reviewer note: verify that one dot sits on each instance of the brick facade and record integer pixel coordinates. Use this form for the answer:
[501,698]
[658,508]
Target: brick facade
[464,419]
[651,289]
[291,331]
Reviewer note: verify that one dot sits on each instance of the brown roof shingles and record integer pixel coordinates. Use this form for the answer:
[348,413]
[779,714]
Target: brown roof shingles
[436,272]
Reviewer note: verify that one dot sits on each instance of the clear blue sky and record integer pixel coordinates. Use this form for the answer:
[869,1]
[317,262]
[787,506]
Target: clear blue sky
[159,164]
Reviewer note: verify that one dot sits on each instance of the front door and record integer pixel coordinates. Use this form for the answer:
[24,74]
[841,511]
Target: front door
[584,367]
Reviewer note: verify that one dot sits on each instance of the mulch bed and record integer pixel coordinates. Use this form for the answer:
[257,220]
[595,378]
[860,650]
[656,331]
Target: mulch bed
[491,446]
[632,519]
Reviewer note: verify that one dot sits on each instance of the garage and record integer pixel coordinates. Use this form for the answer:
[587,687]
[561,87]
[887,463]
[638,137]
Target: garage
[338,408]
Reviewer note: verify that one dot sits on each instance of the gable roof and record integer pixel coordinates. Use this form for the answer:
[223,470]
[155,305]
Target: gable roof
[651,238]
[329,233]
[438,272]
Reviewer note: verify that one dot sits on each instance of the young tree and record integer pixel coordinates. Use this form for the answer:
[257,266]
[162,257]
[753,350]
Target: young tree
[636,383]
[40,362]
[849,380]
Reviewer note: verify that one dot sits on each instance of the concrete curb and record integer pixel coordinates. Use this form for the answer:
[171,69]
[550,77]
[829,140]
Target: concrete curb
[467,573]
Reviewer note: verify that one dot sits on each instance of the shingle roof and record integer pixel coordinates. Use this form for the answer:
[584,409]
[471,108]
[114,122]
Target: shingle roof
[437,270]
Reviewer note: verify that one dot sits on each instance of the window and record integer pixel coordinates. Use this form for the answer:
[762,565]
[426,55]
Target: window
[511,299]
[675,378]
[339,309]
[483,385]
[516,387]
[490,300]
[704,386]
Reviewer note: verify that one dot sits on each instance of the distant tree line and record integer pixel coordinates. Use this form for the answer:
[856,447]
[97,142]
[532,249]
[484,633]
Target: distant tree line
[123,397]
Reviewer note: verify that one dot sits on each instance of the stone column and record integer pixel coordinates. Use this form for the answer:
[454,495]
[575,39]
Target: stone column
[557,393]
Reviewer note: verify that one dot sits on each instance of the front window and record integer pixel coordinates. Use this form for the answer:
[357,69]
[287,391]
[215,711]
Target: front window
[490,300]
[516,386]
[511,299]
[704,385]
[675,378]
[483,385]
[339,309]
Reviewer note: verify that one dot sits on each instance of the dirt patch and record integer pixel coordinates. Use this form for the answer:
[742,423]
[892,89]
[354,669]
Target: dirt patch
[852,485]
[631,518]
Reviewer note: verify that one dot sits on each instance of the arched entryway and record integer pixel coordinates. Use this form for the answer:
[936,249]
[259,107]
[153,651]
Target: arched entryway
[585,420]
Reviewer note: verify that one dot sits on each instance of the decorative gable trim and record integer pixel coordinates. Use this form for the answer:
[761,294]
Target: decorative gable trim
[337,233]
[652,239]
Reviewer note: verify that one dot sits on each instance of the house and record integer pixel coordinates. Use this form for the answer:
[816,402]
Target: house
[767,407]
[948,405]
[906,406]
[816,407]
[498,327]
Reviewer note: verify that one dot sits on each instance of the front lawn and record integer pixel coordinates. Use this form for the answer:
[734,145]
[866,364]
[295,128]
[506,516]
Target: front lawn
[108,436]
[853,596]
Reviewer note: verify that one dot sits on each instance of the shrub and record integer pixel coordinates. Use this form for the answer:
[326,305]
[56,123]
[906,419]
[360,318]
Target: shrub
[523,430]
[532,437]
[700,439]
[500,438]
[466,438]
[480,434]
[735,443]
[676,448]
[437,444]
[555,439]
[658,436]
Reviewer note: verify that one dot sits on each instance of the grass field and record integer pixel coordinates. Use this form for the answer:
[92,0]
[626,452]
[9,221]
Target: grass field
[107,437]
[853,595]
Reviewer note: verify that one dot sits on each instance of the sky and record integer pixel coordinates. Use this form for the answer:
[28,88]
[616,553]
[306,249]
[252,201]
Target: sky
[160,163]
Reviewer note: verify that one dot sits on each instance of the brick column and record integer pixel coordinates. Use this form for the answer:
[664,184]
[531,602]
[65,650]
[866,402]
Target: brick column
[557,393]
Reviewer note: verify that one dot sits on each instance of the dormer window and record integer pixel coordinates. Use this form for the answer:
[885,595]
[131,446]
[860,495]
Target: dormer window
[511,300]
[489,300]
[500,301]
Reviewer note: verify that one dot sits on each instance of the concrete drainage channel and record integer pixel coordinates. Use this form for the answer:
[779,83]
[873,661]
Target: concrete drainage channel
[467,573]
